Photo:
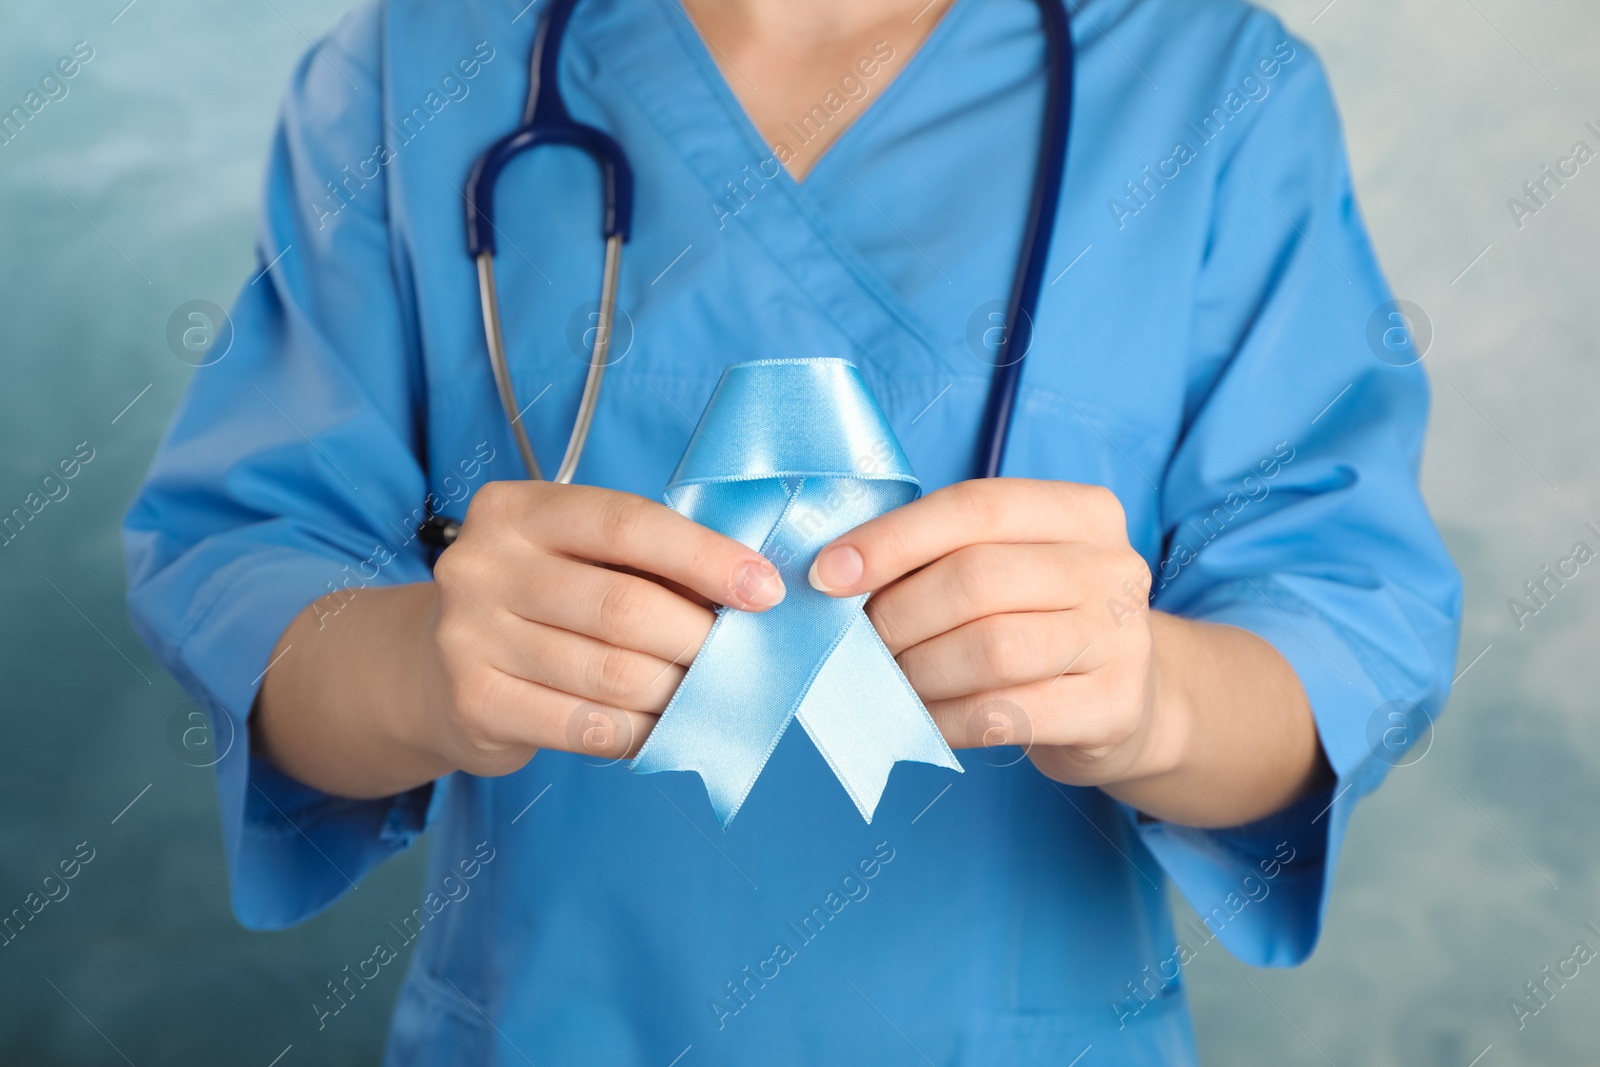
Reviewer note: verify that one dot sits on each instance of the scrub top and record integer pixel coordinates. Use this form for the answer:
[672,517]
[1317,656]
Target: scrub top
[1204,346]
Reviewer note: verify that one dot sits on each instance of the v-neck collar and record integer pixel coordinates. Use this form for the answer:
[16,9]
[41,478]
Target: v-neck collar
[709,129]
[847,145]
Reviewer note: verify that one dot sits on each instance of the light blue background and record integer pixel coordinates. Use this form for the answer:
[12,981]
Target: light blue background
[1463,877]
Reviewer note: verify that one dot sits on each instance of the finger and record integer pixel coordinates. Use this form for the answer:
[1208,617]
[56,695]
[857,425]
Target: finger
[1064,725]
[990,719]
[584,667]
[608,605]
[977,581]
[513,711]
[665,583]
[1004,510]
[585,522]
[998,652]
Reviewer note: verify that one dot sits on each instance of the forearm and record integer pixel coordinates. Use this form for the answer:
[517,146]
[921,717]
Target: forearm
[1231,730]
[342,705]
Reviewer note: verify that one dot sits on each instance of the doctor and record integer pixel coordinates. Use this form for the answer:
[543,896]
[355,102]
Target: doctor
[1206,572]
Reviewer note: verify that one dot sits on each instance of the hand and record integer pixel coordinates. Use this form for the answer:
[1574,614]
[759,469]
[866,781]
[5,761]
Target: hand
[565,618]
[1018,611]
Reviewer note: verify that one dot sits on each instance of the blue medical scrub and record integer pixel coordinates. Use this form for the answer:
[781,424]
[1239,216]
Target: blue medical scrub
[1201,347]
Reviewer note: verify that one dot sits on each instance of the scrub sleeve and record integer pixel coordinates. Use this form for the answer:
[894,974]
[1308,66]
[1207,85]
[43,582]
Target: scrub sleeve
[295,458]
[290,472]
[1323,547]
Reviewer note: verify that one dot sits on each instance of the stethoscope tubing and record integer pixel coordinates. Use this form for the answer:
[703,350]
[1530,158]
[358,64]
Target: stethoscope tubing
[546,121]
[1037,236]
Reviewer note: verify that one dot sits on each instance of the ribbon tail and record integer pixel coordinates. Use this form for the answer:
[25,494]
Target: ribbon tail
[713,725]
[863,716]
[728,777]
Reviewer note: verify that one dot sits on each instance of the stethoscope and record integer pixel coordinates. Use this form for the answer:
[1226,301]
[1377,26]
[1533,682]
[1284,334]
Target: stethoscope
[546,121]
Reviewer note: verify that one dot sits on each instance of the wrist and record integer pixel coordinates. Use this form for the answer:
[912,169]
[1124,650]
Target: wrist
[1232,735]
[346,712]
[1163,747]
[422,688]
[1170,727]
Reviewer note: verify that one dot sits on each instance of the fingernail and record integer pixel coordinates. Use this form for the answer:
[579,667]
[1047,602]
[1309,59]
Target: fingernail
[757,586]
[836,569]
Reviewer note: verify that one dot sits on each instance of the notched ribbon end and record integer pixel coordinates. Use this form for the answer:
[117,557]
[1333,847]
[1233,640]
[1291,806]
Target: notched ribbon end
[813,658]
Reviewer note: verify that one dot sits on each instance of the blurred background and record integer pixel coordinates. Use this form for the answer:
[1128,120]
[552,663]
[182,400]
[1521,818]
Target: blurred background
[1473,868]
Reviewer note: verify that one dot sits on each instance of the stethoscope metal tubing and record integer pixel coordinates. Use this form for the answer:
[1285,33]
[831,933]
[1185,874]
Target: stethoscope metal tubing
[497,360]
[546,121]
[599,353]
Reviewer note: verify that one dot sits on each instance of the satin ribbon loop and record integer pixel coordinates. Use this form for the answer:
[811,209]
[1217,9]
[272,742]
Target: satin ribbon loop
[790,454]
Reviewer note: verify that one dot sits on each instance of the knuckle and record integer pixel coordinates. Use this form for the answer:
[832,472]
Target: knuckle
[616,516]
[616,674]
[491,503]
[887,631]
[1002,721]
[1006,649]
[592,729]
[448,567]
[461,563]
[1121,730]
[1139,573]
[1113,732]
[977,503]
[472,703]
[897,541]
[1117,696]
[1124,570]
[975,575]
[487,758]
[1104,507]
[622,608]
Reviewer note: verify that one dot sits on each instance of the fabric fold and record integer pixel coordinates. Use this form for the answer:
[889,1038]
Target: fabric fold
[789,455]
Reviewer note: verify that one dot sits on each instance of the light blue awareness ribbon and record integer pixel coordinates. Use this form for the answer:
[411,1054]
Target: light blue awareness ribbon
[789,454]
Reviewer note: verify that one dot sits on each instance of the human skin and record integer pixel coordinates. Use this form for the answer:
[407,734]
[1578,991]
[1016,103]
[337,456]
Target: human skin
[1018,611]
[782,58]
[564,616]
